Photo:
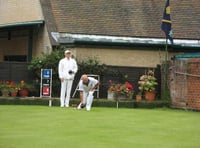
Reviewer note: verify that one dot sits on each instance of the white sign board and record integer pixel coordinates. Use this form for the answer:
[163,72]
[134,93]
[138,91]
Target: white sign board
[46,83]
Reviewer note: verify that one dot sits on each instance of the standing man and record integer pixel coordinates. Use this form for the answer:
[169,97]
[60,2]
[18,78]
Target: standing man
[67,69]
[87,86]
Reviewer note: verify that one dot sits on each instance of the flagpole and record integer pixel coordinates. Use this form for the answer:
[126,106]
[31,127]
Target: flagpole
[166,27]
[165,70]
[166,50]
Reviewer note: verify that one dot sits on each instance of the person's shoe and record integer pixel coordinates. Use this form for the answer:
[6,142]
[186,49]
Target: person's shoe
[82,105]
[79,106]
[88,109]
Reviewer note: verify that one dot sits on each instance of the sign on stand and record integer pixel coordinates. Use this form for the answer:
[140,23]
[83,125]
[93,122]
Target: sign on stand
[46,84]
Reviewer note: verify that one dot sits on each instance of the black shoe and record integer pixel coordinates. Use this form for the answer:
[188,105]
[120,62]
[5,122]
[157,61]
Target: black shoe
[82,105]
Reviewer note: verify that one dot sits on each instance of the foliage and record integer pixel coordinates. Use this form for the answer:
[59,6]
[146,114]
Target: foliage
[147,82]
[13,87]
[50,61]
[23,84]
[91,65]
[47,61]
[10,85]
[125,89]
[5,84]
[154,104]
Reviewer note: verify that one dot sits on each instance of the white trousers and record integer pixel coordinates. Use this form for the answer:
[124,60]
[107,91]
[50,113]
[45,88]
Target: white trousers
[88,99]
[65,92]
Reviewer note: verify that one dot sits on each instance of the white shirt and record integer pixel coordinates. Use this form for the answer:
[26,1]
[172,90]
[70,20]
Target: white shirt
[92,82]
[65,65]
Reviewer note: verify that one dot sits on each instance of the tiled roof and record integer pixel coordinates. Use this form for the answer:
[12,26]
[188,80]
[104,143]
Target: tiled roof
[134,18]
[49,18]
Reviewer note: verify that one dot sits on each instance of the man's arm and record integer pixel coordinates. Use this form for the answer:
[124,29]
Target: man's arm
[81,96]
[94,87]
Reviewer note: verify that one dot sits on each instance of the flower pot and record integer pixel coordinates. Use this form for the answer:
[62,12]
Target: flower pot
[121,97]
[13,94]
[23,92]
[150,95]
[110,95]
[5,92]
[138,98]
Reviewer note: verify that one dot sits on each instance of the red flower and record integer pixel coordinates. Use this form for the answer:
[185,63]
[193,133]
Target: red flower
[129,86]
[5,84]
[22,81]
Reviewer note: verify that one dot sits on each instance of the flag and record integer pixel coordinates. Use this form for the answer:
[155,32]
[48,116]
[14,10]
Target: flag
[166,22]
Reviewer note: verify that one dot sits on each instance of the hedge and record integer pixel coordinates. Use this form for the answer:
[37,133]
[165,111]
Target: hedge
[74,102]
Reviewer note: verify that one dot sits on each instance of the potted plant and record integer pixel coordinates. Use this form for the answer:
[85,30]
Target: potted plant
[121,90]
[111,90]
[23,88]
[147,84]
[4,87]
[13,89]
[138,97]
[140,92]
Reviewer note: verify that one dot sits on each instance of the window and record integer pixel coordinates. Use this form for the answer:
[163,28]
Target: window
[16,58]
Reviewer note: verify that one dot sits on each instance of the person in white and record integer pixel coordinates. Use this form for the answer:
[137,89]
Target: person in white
[87,86]
[67,69]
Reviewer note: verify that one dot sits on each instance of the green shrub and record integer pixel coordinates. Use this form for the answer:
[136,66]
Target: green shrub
[153,104]
[91,65]
[50,61]
[47,61]
[96,102]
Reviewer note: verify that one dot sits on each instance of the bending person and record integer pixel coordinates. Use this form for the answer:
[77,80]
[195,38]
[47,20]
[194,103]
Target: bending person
[87,87]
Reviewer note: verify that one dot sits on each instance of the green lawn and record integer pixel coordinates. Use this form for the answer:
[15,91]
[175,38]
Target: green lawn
[54,127]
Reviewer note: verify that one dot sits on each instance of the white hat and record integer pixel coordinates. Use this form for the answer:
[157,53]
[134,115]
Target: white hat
[67,51]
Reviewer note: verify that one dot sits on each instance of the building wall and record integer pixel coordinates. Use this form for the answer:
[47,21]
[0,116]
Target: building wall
[16,11]
[193,98]
[12,11]
[139,57]
[18,45]
[42,43]
[15,46]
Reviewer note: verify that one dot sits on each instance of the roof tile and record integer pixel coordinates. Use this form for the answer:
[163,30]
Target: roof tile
[138,18]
